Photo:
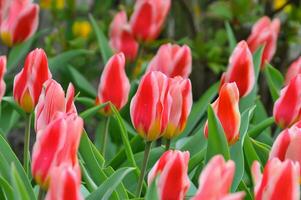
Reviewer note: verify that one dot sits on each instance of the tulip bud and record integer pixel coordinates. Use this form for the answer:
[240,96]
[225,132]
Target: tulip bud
[57,143]
[240,69]
[288,106]
[226,108]
[65,183]
[114,85]
[181,94]
[172,60]
[280,180]
[2,72]
[216,179]
[293,70]
[121,38]
[148,18]
[51,101]
[264,32]
[29,82]
[173,182]
[19,21]
[151,105]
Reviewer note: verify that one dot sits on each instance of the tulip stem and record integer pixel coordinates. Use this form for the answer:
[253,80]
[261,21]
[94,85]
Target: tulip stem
[41,194]
[144,165]
[26,153]
[105,136]
[167,144]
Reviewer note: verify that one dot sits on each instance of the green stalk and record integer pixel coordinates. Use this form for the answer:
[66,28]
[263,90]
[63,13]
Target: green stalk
[26,154]
[105,136]
[143,169]
[167,144]
[41,194]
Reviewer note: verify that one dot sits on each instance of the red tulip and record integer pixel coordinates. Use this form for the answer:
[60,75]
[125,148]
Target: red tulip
[280,180]
[65,183]
[172,60]
[151,105]
[240,69]
[293,70]
[287,108]
[51,101]
[216,179]
[287,145]
[181,94]
[29,82]
[56,144]
[148,18]
[114,85]
[19,20]
[226,108]
[265,32]
[173,182]
[121,38]
[2,72]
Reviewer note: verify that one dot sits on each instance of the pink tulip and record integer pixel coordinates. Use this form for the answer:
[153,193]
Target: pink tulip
[151,105]
[280,180]
[265,32]
[172,60]
[293,70]
[148,18]
[56,144]
[240,69]
[29,82]
[216,179]
[19,20]
[287,108]
[114,85]
[65,183]
[2,72]
[121,38]
[226,107]
[51,101]
[181,94]
[173,182]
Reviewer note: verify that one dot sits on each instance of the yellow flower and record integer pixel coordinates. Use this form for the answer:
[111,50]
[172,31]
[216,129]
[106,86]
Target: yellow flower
[279,3]
[81,29]
[56,4]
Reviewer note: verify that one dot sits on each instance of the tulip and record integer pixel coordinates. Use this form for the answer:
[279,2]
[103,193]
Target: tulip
[287,145]
[29,82]
[173,182]
[19,21]
[181,94]
[57,143]
[151,105]
[148,18]
[265,32]
[293,70]
[172,60]
[114,85]
[121,37]
[287,107]
[240,69]
[65,183]
[51,101]
[226,108]
[216,179]
[2,72]
[280,180]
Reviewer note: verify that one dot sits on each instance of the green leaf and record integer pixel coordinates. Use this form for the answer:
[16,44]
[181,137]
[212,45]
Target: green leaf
[103,44]
[81,82]
[275,80]
[217,142]
[152,191]
[7,188]
[92,111]
[86,101]
[231,37]
[10,100]
[62,59]
[243,187]
[20,191]
[259,128]
[262,149]
[237,149]
[11,158]
[199,109]
[196,160]
[257,61]
[105,190]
